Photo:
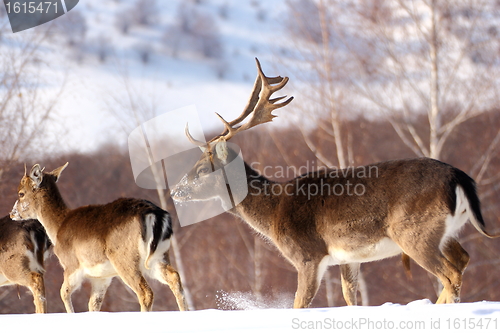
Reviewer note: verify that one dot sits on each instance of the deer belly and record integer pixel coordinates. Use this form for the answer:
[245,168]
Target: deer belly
[100,270]
[385,248]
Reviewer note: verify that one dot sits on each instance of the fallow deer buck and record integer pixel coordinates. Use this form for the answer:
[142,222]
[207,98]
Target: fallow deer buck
[412,206]
[128,238]
[23,248]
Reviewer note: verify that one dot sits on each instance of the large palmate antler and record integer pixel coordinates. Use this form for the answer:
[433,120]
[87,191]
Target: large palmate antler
[259,107]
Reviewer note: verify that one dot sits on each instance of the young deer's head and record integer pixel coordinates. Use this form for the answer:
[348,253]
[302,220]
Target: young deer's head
[32,189]
[211,172]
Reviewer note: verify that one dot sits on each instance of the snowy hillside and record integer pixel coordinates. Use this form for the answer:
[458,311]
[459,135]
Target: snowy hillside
[419,316]
[97,61]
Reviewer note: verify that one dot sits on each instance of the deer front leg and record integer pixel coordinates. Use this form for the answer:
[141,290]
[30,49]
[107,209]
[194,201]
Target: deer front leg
[349,276]
[308,284]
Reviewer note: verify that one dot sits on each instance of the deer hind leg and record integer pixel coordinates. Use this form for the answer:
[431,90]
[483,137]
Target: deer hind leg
[456,254]
[310,274]
[349,276]
[17,270]
[133,278]
[99,288]
[140,286]
[451,278]
[436,262]
[170,276]
[35,283]
[37,287]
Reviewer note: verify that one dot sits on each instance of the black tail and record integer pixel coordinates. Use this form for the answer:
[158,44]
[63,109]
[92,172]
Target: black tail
[469,186]
[161,228]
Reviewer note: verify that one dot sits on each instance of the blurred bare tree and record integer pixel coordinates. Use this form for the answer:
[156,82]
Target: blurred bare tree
[25,109]
[195,32]
[73,28]
[399,59]
[145,12]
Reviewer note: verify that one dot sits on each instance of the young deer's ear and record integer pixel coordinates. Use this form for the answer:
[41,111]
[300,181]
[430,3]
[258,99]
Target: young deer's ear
[221,151]
[36,174]
[57,172]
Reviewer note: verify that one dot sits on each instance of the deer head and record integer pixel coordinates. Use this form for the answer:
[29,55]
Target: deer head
[33,185]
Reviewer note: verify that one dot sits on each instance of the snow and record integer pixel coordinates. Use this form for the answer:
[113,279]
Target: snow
[420,315]
[166,83]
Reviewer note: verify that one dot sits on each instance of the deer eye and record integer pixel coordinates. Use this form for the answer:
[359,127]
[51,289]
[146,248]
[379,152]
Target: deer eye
[203,170]
[21,194]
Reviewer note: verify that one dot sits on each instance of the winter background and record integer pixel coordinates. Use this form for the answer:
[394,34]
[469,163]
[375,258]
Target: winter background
[114,64]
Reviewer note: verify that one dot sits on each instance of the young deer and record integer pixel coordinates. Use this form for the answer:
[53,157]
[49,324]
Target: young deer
[23,248]
[345,217]
[128,238]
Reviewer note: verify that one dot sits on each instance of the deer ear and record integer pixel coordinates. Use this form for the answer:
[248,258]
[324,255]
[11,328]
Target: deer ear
[57,172]
[36,175]
[221,151]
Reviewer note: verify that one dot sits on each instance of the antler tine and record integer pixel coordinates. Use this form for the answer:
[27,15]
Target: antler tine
[254,98]
[270,79]
[257,87]
[193,140]
[229,132]
[265,105]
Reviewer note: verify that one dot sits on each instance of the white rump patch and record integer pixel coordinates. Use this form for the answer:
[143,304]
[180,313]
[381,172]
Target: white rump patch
[454,223]
[33,263]
[150,222]
[155,259]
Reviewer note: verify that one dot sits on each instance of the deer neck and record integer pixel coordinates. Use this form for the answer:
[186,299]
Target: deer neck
[51,211]
[259,206]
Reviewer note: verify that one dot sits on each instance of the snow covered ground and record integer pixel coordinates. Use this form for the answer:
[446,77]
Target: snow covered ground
[421,315]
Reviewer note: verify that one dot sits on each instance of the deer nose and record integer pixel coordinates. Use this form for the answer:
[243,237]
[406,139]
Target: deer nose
[177,194]
[14,214]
